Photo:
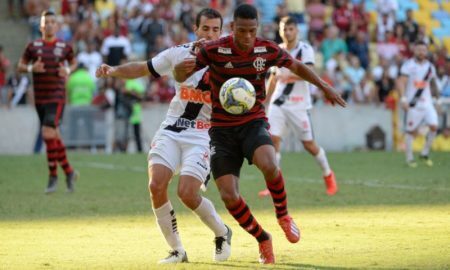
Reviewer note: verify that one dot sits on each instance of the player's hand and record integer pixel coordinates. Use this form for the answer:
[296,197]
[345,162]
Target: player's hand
[104,71]
[197,45]
[38,66]
[332,96]
[186,66]
[63,70]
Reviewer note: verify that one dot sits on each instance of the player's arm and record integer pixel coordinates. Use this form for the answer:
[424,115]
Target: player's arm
[401,86]
[292,78]
[189,65]
[25,66]
[308,75]
[130,70]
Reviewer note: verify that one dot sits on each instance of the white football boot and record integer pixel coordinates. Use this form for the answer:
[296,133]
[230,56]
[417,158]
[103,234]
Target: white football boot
[223,246]
[175,256]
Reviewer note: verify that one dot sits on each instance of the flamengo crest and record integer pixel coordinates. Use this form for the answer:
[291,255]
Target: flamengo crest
[259,64]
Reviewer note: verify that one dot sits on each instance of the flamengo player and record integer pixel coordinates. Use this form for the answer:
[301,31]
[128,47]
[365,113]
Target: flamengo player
[235,137]
[417,75]
[51,61]
[182,141]
[291,102]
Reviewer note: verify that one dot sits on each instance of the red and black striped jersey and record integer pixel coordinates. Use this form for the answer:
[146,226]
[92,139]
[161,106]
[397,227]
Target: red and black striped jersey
[226,61]
[48,86]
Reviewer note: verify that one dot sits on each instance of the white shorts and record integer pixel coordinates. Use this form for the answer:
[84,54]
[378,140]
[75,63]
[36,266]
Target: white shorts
[186,152]
[418,116]
[281,118]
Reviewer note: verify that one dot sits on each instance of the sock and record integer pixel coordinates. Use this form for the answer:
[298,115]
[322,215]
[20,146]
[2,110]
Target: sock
[62,158]
[167,222]
[278,157]
[408,147]
[322,160]
[52,154]
[244,217]
[278,193]
[207,213]
[429,141]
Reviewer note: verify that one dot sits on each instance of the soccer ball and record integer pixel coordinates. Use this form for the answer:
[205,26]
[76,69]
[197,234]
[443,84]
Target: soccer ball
[237,95]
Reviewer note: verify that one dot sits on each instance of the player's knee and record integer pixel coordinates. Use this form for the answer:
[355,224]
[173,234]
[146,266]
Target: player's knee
[230,198]
[156,188]
[269,168]
[433,128]
[189,198]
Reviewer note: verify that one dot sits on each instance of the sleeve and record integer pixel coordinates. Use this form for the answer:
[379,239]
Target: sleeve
[27,57]
[69,55]
[308,56]
[162,64]
[202,59]
[433,72]
[283,58]
[404,70]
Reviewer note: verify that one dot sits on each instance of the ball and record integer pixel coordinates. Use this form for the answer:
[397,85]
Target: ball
[237,96]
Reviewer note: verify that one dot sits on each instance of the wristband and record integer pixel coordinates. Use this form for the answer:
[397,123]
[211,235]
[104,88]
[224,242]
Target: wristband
[29,68]
[67,70]
[404,99]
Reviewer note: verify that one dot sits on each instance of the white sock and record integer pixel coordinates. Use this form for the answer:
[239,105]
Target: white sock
[278,157]
[322,160]
[408,147]
[167,222]
[426,148]
[207,213]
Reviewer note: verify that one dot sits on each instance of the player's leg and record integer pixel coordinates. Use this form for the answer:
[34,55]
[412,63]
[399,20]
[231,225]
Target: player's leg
[194,172]
[163,160]
[258,148]
[431,119]
[413,119]
[226,162]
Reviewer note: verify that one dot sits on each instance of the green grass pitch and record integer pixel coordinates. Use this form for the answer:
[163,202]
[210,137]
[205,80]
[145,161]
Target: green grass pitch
[385,216]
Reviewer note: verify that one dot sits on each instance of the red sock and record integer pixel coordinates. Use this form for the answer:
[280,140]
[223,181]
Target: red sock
[62,158]
[244,217]
[278,193]
[52,156]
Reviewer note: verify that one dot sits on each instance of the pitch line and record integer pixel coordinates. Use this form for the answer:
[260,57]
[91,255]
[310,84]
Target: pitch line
[373,183]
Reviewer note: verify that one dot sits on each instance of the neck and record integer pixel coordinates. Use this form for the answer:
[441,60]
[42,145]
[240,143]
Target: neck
[420,61]
[240,47]
[291,44]
[49,39]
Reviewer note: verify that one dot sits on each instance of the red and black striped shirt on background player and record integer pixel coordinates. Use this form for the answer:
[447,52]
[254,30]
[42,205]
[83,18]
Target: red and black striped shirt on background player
[49,87]
[226,61]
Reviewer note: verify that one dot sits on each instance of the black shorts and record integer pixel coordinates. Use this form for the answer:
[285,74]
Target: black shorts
[50,114]
[230,145]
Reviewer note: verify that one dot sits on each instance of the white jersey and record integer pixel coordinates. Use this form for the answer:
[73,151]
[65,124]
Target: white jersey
[298,93]
[190,108]
[419,77]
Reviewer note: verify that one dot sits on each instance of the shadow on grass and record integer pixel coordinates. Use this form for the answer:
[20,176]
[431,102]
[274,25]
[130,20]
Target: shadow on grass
[287,266]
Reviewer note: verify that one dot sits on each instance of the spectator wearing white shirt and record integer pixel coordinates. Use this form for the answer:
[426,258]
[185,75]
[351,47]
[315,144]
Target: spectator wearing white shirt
[90,58]
[116,48]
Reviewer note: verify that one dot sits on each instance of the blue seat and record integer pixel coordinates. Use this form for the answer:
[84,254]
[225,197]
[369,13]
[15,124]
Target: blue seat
[441,33]
[440,15]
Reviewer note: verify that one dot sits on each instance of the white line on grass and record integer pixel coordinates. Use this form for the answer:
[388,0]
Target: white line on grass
[374,183]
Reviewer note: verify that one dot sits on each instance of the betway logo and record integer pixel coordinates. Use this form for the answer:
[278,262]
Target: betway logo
[197,124]
[195,95]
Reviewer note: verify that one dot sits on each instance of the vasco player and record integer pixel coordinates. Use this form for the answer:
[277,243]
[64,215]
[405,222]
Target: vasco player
[235,137]
[182,142]
[51,61]
[291,102]
[416,76]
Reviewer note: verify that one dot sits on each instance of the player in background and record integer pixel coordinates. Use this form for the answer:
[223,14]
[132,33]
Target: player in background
[235,137]
[182,142]
[416,83]
[291,101]
[51,61]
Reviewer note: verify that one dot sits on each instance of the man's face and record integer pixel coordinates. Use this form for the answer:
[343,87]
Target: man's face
[244,32]
[48,26]
[208,29]
[288,32]
[420,52]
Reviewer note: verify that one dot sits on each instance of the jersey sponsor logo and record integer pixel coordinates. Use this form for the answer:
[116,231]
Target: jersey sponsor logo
[259,64]
[195,95]
[420,84]
[261,49]
[223,50]
[38,43]
[60,44]
[296,98]
[229,65]
[197,124]
[202,165]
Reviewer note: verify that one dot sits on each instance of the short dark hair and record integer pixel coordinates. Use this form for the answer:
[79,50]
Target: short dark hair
[245,11]
[48,13]
[210,14]
[288,20]
[420,42]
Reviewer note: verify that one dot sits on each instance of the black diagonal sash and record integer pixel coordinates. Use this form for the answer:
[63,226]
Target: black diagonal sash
[419,91]
[288,88]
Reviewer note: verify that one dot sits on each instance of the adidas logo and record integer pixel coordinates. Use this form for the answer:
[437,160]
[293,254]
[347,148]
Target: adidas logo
[229,65]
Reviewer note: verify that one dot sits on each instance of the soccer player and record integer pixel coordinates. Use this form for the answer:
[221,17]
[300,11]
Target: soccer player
[416,76]
[291,102]
[50,61]
[182,142]
[235,137]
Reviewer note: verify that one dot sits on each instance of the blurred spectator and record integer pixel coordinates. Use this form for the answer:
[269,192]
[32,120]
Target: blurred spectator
[387,7]
[80,87]
[400,39]
[360,18]
[384,86]
[354,74]
[411,28]
[342,16]
[442,141]
[316,12]
[359,46]
[116,48]
[18,89]
[296,9]
[388,48]
[282,11]
[384,66]
[136,89]
[267,9]
[20,7]
[90,58]
[161,90]
[105,9]
[4,65]
[385,24]
[364,92]
[151,27]
[332,44]
[443,81]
